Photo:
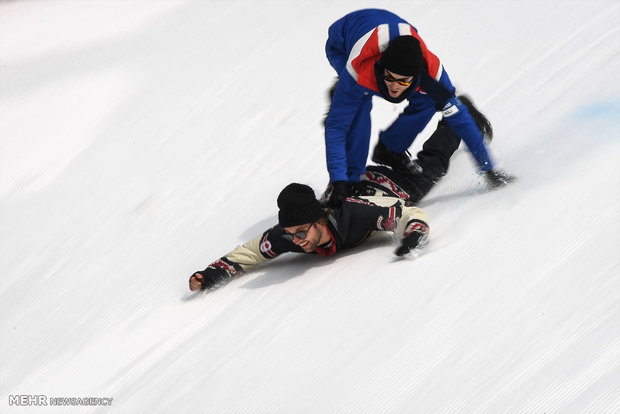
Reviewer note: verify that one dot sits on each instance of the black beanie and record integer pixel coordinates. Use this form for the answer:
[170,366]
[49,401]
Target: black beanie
[298,205]
[403,56]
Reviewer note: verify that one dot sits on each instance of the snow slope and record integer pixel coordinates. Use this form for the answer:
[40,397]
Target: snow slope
[140,140]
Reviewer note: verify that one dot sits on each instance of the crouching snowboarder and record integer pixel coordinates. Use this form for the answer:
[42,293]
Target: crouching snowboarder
[305,225]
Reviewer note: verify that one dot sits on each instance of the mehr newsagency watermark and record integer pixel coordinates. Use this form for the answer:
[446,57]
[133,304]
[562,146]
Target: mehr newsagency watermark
[44,400]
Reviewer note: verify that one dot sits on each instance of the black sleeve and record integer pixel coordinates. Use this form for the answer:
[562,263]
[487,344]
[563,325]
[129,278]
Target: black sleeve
[273,244]
[358,218]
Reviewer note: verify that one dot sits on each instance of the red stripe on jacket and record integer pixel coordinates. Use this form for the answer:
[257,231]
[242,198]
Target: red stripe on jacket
[364,63]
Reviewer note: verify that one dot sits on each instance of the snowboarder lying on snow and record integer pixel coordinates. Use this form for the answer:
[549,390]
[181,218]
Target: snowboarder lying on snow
[384,202]
[305,225]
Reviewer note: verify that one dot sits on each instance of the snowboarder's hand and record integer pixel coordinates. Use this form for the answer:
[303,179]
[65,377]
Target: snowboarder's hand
[497,178]
[195,282]
[340,191]
[206,279]
[216,273]
[409,243]
[415,235]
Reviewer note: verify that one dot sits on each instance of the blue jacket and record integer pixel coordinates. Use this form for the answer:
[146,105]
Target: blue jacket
[355,45]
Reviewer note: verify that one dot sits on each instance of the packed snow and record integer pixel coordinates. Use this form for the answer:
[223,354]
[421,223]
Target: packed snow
[141,140]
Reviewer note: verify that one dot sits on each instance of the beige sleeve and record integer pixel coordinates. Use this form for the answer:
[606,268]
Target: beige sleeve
[411,213]
[247,255]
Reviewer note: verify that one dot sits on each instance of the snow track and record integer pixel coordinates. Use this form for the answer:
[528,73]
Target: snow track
[139,141]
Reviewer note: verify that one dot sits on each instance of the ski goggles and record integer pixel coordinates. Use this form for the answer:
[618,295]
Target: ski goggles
[301,234]
[389,78]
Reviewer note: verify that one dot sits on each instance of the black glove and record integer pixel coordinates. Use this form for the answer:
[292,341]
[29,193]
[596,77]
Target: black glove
[416,234]
[409,243]
[497,178]
[216,273]
[340,191]
[210,277]
[362,189]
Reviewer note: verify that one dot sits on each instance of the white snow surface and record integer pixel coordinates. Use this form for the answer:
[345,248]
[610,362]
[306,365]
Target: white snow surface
[141,140]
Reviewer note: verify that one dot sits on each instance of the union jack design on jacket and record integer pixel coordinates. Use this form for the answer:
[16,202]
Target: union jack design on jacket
[354,48]
[370,47]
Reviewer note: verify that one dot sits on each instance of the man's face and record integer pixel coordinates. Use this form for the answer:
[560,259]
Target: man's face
[396,84]
[311,239]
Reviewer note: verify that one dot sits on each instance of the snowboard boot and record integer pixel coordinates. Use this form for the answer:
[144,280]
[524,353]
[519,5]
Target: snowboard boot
[399,162]
[424,183]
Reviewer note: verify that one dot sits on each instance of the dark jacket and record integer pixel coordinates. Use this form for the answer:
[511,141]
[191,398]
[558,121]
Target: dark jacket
[349,225]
